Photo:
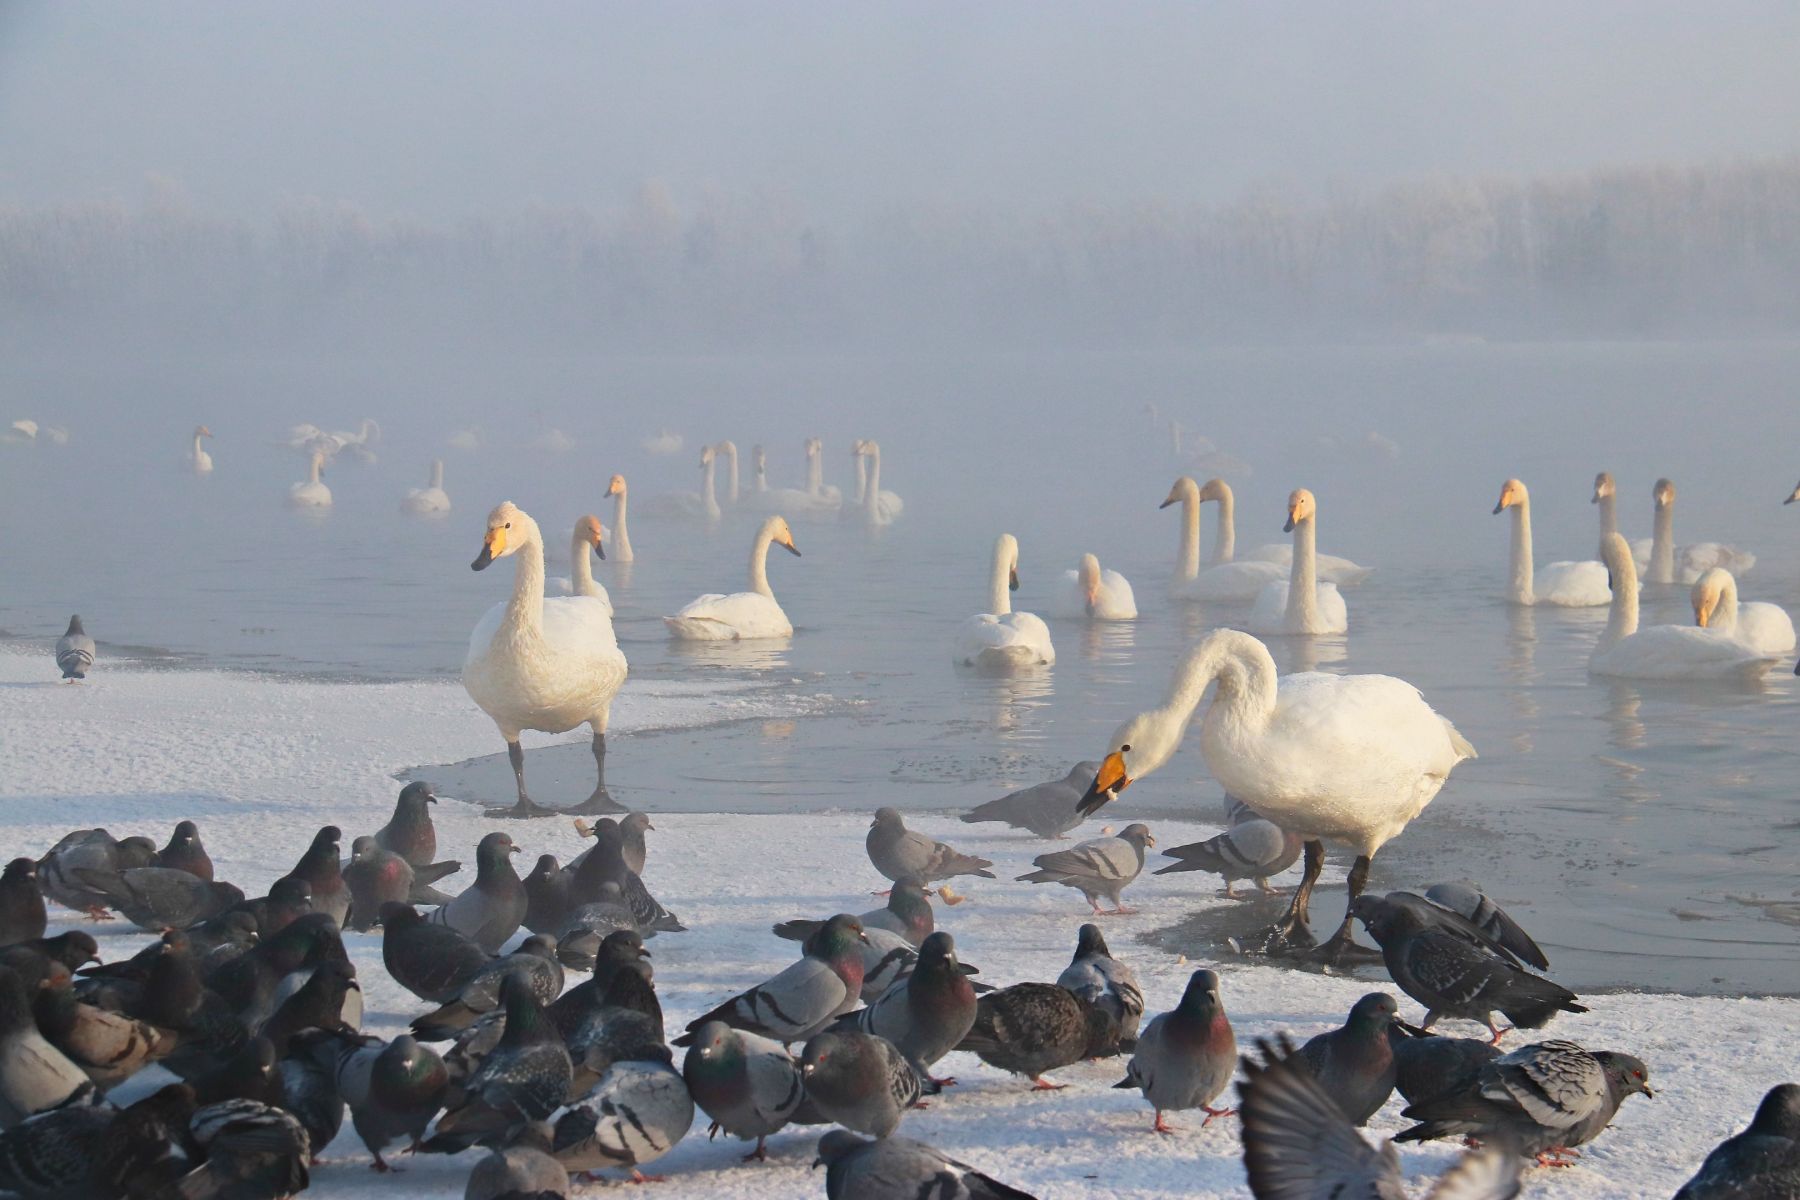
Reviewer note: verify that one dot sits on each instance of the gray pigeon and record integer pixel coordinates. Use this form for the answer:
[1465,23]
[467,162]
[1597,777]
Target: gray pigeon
[158,898]
[623,1023]
[1299,1146]
[1101,980]
[1252,847]
[806,997]
[928,1013]
[907,857]
[547,902]
[393,1089]
[1469,902]
[433,962]
[887,959]
[1046,809]
[96,850]
[309,1091]
[908,913]
[51,1156]
[491,909]
[1102,867]
[22,915]
[521,1170]
[1030,1028]
[1761,1163]
[524,1078]
[749,1085]
[375,877]
[534,961]
[1428,1066]
[1451,966]
[323,872]
[410,834]
[633,1116]
[632,827]
[74,651]
[1185,1057]
[605,863]
[582,930]
[861,1081]
[1355,1064]
[1544,1099]
[252,1151]
[898,1168]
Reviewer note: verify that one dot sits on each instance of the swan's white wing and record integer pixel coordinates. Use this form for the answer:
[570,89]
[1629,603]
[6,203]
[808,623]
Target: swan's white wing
[1334,614]
[1269,613]
[1679,652]
[1233,581]
[1069,599]
[1572,584]
[1117,602]
[715,617]
[1029,629]
[1765,628]
[985,638]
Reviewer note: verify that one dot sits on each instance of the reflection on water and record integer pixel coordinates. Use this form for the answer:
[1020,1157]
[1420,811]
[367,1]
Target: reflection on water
[749,654]
[1107,641]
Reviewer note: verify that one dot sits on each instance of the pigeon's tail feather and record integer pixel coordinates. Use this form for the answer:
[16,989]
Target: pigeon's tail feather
[1492,1173]
[1531,1005]
[1041,877]
[1213,855]
[426,876]
[797,931]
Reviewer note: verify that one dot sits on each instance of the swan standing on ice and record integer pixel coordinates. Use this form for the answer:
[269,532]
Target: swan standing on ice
[1565,584]
[587,539]
[1300,604]
[1350,759]
[1095,595]
[198,460]
[431,501]
[1001,637]
[312,493]
[1669,565]
[878,507]
[751,614]
[1665,652]
[1224,579]
[544,664]
[621,539]
[1765,628]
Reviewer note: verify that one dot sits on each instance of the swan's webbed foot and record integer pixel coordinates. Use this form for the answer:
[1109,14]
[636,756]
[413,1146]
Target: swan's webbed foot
[525,809]
[1286,936]
[1340,950]
[599,804]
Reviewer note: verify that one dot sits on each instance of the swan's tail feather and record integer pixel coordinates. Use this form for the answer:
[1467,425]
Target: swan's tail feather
[1458,742]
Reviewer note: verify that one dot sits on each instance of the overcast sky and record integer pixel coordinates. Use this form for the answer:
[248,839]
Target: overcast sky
[436,109]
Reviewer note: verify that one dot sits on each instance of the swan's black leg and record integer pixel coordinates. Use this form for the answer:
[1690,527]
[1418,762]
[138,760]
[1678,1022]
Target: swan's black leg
[515,754]
[600,803]
[1340,948]
[1290,932]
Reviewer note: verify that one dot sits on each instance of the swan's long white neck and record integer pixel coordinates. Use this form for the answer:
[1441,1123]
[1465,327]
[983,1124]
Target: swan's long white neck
[1521,590]
[581,567]
[1725,612]
[1303,577]
[729,450]
[318,464]
[999,594]
[437,473]
[1662,546]
[1622,617]
[1609,514]
[1187,551]
[1225,545]
[196,444]
[862,478]
[621,539]
[1244,701]
[759,562]
[525,611]
[707,500]
[815,469]
[762,475]
[872,495]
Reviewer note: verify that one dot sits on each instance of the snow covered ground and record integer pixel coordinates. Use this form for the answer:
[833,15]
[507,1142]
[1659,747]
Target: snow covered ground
[261,763]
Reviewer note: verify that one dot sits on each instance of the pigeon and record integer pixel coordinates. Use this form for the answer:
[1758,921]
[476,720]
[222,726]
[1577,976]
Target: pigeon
[1761,1163]
[1299,1145]
[22,915]
[1355,1064]
[861,1081]
[622,953]
[580,932]
[1251,847]
[1031,1028]
[74,651]
[1453,969]
[1101,980]
[253,1073]
[109,1047]
[87,1152]
[158,898]
[1185,1057]
[34,1075]
[186,853]
[1428,1066]
[534,961]
[1469,902]
[748,1085]
[632,1117]
[631,839]
[605,863]
[173,997]
[323,872]
[1046,809]
[907,857]
[393,1089]
[1100,867]
[73,948]
[309,1091]
[489,910]
[375,877]
[257,982]
[1544,1099]
[927,1014]
[908,913]
[806,997]
[318,1004]
[623,1024]
[520,1170]
[897,1168]
[433,962]
[547,904]
[289,898]
[96,850]
[410,834]
[253,1152]
[525,1077]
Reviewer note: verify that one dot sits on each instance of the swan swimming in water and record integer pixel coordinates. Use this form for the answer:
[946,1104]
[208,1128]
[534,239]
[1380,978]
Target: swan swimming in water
[1765,628]
[741,615]
[544,664]
[1088,593]
[1662,652]
[621,537]
[1350,759]
[1225,579]
[702,505]
[1301,603]
[878,507]
[1564,584]
[823,494]
[1686,564]
[429,501]
[588,539]
[1000,637]
[312,493]
[727,450]
[198,460]
[764,498]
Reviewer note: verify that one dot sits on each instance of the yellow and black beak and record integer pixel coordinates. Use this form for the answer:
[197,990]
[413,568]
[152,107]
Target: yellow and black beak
[492,547]
[1289,527]
[791,548]
[1012,579]
[1169,501]
[1109,781]
[599,550]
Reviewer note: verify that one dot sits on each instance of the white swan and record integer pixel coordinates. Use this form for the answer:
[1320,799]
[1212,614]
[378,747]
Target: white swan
[312,493]
[751,614]
[764,498]
[1350,759]
[1565,584]
[1327,567]
[728,449]
[1001,637]
[862,472]
[22,431]
[360,443]
[1765,628]
[1301,603]
[430,501]
[878,507]
[1669,564]
[588,539]
[1089,593]
[1665,652]
[198,460]
[548,665]
[702,505]
[1224,579]
[822,493]
[1606,497]
[621,537]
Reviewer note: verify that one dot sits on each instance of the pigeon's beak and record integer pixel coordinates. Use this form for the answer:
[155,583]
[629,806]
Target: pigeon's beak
[1148,840]
[1648,1094]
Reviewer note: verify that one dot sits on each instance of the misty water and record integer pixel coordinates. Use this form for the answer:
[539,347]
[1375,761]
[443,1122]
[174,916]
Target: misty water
[1643,832]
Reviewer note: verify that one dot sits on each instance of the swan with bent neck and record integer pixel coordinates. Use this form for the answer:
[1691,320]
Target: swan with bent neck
[198,460]
[543,664]
[1564,584]
[1089,593]
[431,500]
[741,615]
[313,493]
[1348,759]
[1224,579]
[1300,604]
[1000,638]
[1765,628]
[1661,652]
[621,538]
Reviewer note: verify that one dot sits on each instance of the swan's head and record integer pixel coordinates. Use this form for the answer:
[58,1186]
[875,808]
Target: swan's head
[1664,493]
[868,447]
[706,456]
[508,528]
[814,447]
[1089,575]
[589,530]
[757,456]
[727,447]
[1708,591]
[1006,553]
[1183,489]
[1301,507]
[1215,489]
[617,486]
[1113,776]
[370,431]
[202,431]
[1793,495]
[1603,486]
[1512,494]
[856,448]
[781,535]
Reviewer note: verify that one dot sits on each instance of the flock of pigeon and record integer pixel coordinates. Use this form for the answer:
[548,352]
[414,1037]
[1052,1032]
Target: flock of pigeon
[252,1008]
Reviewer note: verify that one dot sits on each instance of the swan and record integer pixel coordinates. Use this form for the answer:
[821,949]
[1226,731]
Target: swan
[1094,595]
[1793,495]
[544,664]
[751,614]
[359,443]
[878,507]
[587,539]
[1606,496]
[822,493]
[701,505]
[1001,637]
[862,471]
[728,449]
[1225,579]
[1564,584]
[198,460]
[1350,759]
[621,539]
[1300,603]
[764,498]
[20,431]
[1328,567]
[1668,564]
[1765,628]
[431,501]
[312,493]
[1667,652]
